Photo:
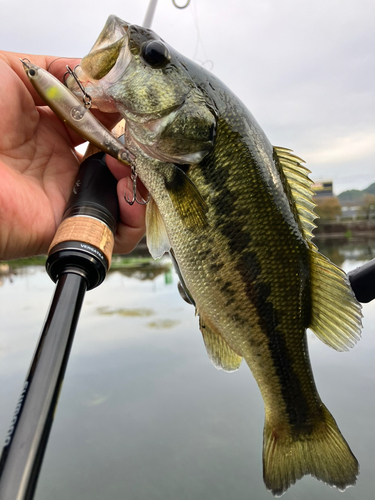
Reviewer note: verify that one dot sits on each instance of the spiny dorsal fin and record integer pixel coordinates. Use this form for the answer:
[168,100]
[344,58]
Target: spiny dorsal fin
[156,233]
[336,313]
[300,185]
[219,352]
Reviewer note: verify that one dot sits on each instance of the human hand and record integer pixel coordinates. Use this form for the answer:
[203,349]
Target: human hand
[38,165]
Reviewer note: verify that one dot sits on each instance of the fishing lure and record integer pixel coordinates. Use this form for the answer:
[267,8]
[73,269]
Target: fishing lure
[134,177]
[87,101]
[75,114]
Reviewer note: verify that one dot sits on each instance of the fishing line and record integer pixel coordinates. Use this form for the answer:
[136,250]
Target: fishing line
[50,64]
[206,62]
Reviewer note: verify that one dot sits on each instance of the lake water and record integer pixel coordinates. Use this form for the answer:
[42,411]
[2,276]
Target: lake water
[143,415]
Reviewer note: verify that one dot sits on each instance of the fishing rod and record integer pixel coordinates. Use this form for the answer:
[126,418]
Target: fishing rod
[147,22]
[362,281]
[78,260]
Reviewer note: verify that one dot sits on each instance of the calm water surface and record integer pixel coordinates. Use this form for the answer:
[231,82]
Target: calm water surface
[143,414]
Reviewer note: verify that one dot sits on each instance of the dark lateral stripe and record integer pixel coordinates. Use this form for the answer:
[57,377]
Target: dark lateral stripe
[258,292]
[297,407]
[226,216]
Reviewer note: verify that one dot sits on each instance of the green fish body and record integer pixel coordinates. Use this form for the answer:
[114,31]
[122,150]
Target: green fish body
[236,215]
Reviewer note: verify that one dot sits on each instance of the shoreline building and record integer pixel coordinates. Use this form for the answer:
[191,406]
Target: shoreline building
[323,188]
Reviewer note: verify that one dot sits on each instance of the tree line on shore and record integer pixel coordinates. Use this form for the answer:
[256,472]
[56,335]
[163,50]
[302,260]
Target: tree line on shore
[360,202]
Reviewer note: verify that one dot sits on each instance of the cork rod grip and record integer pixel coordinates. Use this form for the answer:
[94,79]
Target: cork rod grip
[85,230]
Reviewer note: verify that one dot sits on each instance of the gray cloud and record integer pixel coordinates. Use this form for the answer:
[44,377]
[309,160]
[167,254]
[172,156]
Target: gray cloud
[304,69]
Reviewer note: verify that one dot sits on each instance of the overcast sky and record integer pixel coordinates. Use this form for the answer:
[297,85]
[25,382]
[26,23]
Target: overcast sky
[305,69]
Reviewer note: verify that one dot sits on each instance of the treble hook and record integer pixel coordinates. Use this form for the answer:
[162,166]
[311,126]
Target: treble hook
[87,101]
[25,62]
[133,177]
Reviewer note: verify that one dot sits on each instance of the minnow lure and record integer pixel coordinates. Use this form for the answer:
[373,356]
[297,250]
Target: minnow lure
[74,113]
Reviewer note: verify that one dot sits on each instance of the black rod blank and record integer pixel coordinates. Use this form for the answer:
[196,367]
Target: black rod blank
[24,449]
[362,281]
[78,260]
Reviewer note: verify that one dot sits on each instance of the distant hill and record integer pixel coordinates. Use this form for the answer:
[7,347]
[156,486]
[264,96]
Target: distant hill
[370,189]
[356,194]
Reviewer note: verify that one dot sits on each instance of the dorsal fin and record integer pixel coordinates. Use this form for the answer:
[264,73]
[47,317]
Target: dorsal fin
[335,312]
[156,233]
[300,184]
[219,352]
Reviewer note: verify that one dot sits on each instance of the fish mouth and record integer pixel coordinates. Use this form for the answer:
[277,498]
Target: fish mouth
[104,65]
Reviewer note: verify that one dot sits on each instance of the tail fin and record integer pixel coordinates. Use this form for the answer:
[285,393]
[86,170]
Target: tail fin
[323,453]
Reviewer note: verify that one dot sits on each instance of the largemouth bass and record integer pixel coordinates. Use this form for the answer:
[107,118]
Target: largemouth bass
[236,214]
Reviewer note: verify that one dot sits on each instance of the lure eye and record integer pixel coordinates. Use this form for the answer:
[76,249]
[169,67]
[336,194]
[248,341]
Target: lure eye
[155,54]
[32,72]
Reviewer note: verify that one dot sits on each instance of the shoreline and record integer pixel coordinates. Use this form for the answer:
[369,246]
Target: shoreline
[345,230]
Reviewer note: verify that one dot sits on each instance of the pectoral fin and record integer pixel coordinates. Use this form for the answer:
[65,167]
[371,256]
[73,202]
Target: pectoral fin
[219,352]
[185,197]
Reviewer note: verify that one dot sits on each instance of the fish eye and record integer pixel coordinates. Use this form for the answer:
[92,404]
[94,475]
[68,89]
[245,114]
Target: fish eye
[155,53]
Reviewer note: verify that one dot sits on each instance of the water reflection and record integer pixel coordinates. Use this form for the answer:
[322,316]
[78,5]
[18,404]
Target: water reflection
[140,313]
[163,323]
[344,250]
[9,271]
[143,415]
[143,270]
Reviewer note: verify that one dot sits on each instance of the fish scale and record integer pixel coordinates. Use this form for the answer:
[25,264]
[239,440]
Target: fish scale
[237,215]
[243,277]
